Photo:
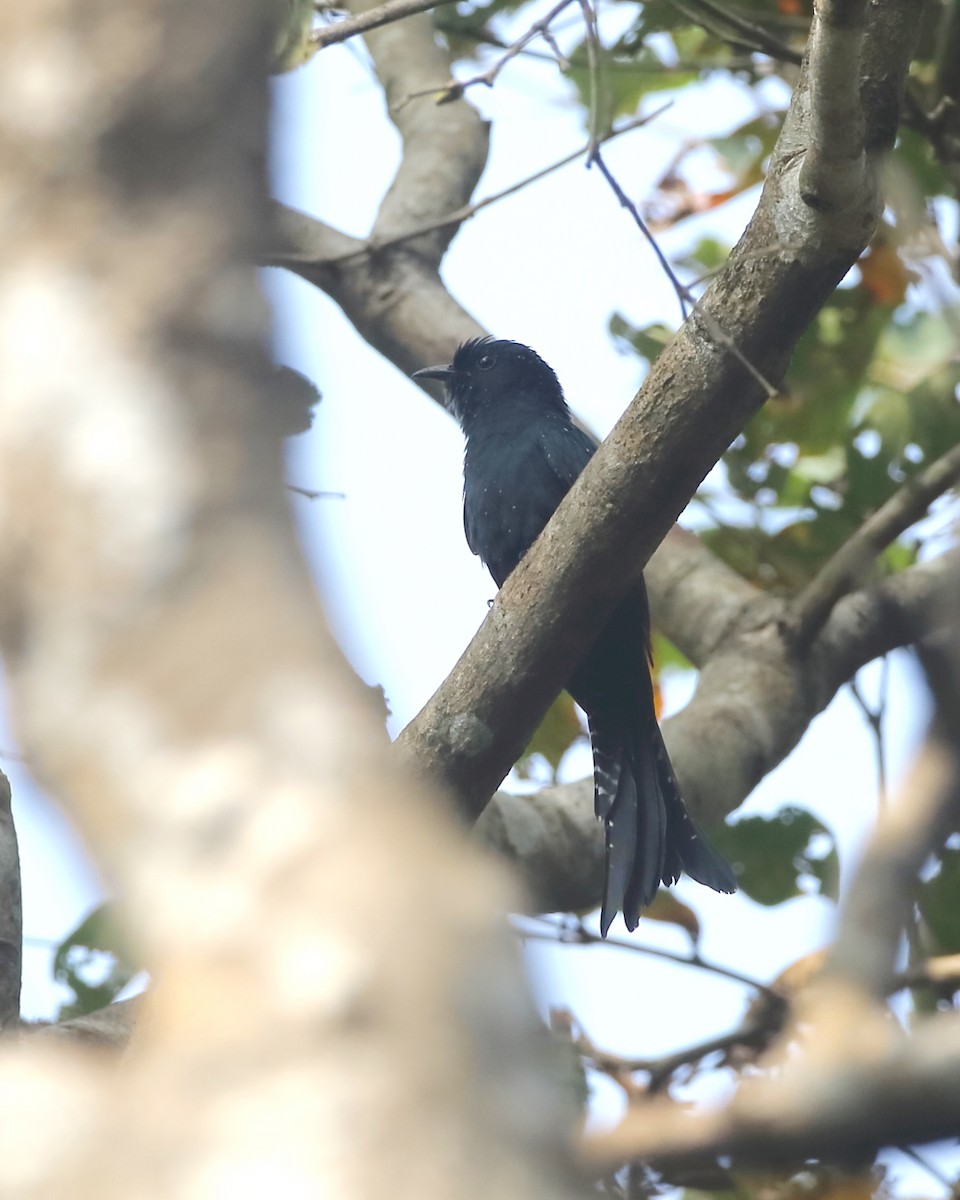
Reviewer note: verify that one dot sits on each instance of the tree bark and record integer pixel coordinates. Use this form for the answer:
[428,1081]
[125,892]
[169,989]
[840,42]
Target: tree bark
[337,1002]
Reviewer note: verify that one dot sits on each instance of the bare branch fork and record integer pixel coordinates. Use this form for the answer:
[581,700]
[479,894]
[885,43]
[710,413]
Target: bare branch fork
[292,255]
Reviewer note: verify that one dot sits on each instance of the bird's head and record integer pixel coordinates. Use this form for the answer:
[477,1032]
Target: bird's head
[491,377]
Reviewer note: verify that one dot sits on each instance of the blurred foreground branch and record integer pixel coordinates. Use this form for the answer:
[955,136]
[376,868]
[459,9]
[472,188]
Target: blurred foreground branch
[323,942]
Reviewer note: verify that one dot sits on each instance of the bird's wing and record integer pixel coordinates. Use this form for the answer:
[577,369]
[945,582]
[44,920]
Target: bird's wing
[469,531]
[567,450]
[531,475]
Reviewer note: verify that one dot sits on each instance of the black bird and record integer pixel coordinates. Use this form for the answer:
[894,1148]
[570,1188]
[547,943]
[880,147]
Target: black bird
[523,454]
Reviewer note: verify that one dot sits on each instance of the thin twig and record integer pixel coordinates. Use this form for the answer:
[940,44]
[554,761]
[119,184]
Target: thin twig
[558,55]
[592,41]
[939,972]
[926,1165]
[453,89]
[659,1070]
[312,495]
[460,215]
[843,571]
[722,338]
[628,204]
[578,935]
[874,718]
[751,1034]
[483,37]
[843,1105]
[383,14]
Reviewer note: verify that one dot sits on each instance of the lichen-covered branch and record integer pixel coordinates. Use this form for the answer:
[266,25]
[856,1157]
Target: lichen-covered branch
[11,914]
[296,895]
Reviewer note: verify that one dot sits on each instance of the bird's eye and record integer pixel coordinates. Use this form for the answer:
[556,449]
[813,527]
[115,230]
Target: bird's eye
[485,362]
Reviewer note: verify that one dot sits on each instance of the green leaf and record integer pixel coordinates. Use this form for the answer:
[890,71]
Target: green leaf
[911,351]
[666,656]
[707,255]
[940,904]
[622,82]
[665,907]
[888,413]
[744,150]
[914,154]
[554,736]
[81,965]
[821,468]
[648,342]
[774,857]
[899,556]
[467,27]
[826,372]
[291,45]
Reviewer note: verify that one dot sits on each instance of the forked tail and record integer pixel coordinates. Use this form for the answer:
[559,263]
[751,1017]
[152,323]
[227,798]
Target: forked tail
[650,836]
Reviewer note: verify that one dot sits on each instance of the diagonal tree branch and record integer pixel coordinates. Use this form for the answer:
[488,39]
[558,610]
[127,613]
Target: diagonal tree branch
[695,399]
[695,597]
[296,237]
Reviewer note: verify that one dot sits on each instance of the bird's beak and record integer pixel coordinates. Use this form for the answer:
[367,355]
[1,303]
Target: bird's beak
[443,374]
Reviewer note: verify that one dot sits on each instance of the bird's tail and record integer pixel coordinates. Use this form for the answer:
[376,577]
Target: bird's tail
[650,836]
